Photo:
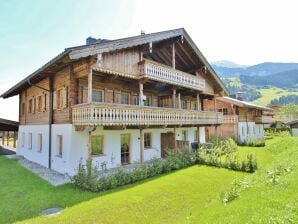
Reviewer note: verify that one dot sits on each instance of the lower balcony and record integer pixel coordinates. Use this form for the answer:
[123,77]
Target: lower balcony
[131,115]
[230,119]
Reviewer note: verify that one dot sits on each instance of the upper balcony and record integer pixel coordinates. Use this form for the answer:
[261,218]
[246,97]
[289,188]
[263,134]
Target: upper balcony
[163,73]
[129,115]
[264,119]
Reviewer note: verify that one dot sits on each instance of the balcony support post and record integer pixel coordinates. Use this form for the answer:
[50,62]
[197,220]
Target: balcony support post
[141,145]
[89,100]
[175,138]
[141,94]
[14,139]
[3,136]
[173,56]
[7,138]
[174,98]
[198,102]
[179,101]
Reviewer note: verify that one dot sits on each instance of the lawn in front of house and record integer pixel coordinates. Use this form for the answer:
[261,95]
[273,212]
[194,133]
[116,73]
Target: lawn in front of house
[191,195]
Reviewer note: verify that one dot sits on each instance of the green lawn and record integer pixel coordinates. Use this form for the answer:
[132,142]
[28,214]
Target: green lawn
[191,195]
[272,93]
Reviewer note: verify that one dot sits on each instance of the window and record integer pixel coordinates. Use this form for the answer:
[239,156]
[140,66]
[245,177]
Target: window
[59,143]
[136,100]
[225,111]
[39,101]
[30,106]
[97,95]
[243,131]
[45,102]
[39,142]
[124,98]
[30,141]
[184,135]
[147,140]
[97,145]
[23,108]
[23,139]
[34,105]
[184,104]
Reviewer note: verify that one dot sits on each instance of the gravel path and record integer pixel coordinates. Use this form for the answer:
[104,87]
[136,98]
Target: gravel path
[49,175]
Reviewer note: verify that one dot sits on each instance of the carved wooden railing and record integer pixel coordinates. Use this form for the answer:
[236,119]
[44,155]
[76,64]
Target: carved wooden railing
[164,73]
[182,145]
[230,119]
[264,119]
[115,114]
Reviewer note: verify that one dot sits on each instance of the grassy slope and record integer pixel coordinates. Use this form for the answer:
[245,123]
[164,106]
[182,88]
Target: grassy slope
[272,93]
[186,196]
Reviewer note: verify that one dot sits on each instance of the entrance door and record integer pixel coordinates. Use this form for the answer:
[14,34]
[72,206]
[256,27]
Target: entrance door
[125,149]
[166,142]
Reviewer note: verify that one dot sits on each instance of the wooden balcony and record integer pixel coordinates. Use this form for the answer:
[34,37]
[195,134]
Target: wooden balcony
[264,119]
[230,119]
[130,115]
[159,72]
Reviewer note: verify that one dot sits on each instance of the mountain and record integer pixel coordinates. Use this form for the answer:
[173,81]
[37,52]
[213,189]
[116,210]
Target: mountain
[227,64]
[263,69]
[286,79]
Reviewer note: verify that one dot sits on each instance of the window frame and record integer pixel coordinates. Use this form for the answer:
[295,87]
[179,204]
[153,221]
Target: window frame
[23,137]
[128,98]
[102,95]
[39,142]
[30,140]
[102,150]
[148,140]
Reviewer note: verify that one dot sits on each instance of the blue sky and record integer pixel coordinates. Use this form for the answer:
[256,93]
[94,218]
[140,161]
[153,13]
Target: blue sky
[246,32]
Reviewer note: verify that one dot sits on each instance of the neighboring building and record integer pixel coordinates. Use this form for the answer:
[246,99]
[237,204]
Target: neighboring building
[117,101]
[241,120]
[8,132]
[294,127]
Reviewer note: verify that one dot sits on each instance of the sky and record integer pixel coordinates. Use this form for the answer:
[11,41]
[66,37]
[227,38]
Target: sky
[243,31]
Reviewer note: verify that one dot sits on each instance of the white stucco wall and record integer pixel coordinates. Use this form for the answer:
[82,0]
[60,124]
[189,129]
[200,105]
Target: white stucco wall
[250,131]
[40,157]
[75,145]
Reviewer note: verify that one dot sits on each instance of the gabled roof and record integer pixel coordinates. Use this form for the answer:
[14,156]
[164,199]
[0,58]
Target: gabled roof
[75,53]
[241,103]
[8,125]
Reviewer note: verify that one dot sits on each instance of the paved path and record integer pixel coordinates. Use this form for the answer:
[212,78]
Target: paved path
[49,175]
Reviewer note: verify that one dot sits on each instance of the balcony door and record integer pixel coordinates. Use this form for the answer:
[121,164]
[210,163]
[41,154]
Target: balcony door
[167,141]
[125,149]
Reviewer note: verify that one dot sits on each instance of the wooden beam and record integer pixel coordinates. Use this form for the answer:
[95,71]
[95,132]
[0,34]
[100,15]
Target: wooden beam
[89,98]
[89,145]
[173,56]
[3,136]
[198,102]
[14,139]
[174,98]
[142,145]
[189,57]
[179,101]
[141,94]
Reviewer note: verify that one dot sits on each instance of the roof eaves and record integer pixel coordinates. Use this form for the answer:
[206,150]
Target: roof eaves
[10,92]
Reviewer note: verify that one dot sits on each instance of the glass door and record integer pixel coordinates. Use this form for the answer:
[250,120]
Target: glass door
[125,149]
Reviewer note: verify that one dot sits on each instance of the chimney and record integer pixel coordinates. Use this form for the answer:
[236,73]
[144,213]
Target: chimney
[90,40]
[143,32]
[239,95]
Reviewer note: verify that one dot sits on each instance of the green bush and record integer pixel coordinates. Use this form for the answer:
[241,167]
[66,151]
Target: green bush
[91,178]
[220,156]
[281,132]
[253,143]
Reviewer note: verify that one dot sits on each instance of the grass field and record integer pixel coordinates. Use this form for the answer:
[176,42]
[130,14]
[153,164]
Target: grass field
[191,195]
[272,93]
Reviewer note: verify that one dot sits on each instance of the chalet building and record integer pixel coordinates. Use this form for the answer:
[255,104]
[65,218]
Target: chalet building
[117,101]
[242,121]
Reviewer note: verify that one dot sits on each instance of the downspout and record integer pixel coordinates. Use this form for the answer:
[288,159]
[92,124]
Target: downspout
[50,91]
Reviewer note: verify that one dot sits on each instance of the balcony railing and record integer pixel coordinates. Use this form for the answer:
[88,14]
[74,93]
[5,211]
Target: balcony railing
[163,73]
[115,114]
[230,119]
[264,119]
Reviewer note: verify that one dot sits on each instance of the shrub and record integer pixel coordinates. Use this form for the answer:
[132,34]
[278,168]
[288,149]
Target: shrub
[234,192]
[253,143]
[92,179]
[275,131]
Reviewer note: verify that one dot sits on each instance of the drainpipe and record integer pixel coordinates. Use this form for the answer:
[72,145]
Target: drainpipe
[50,91]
